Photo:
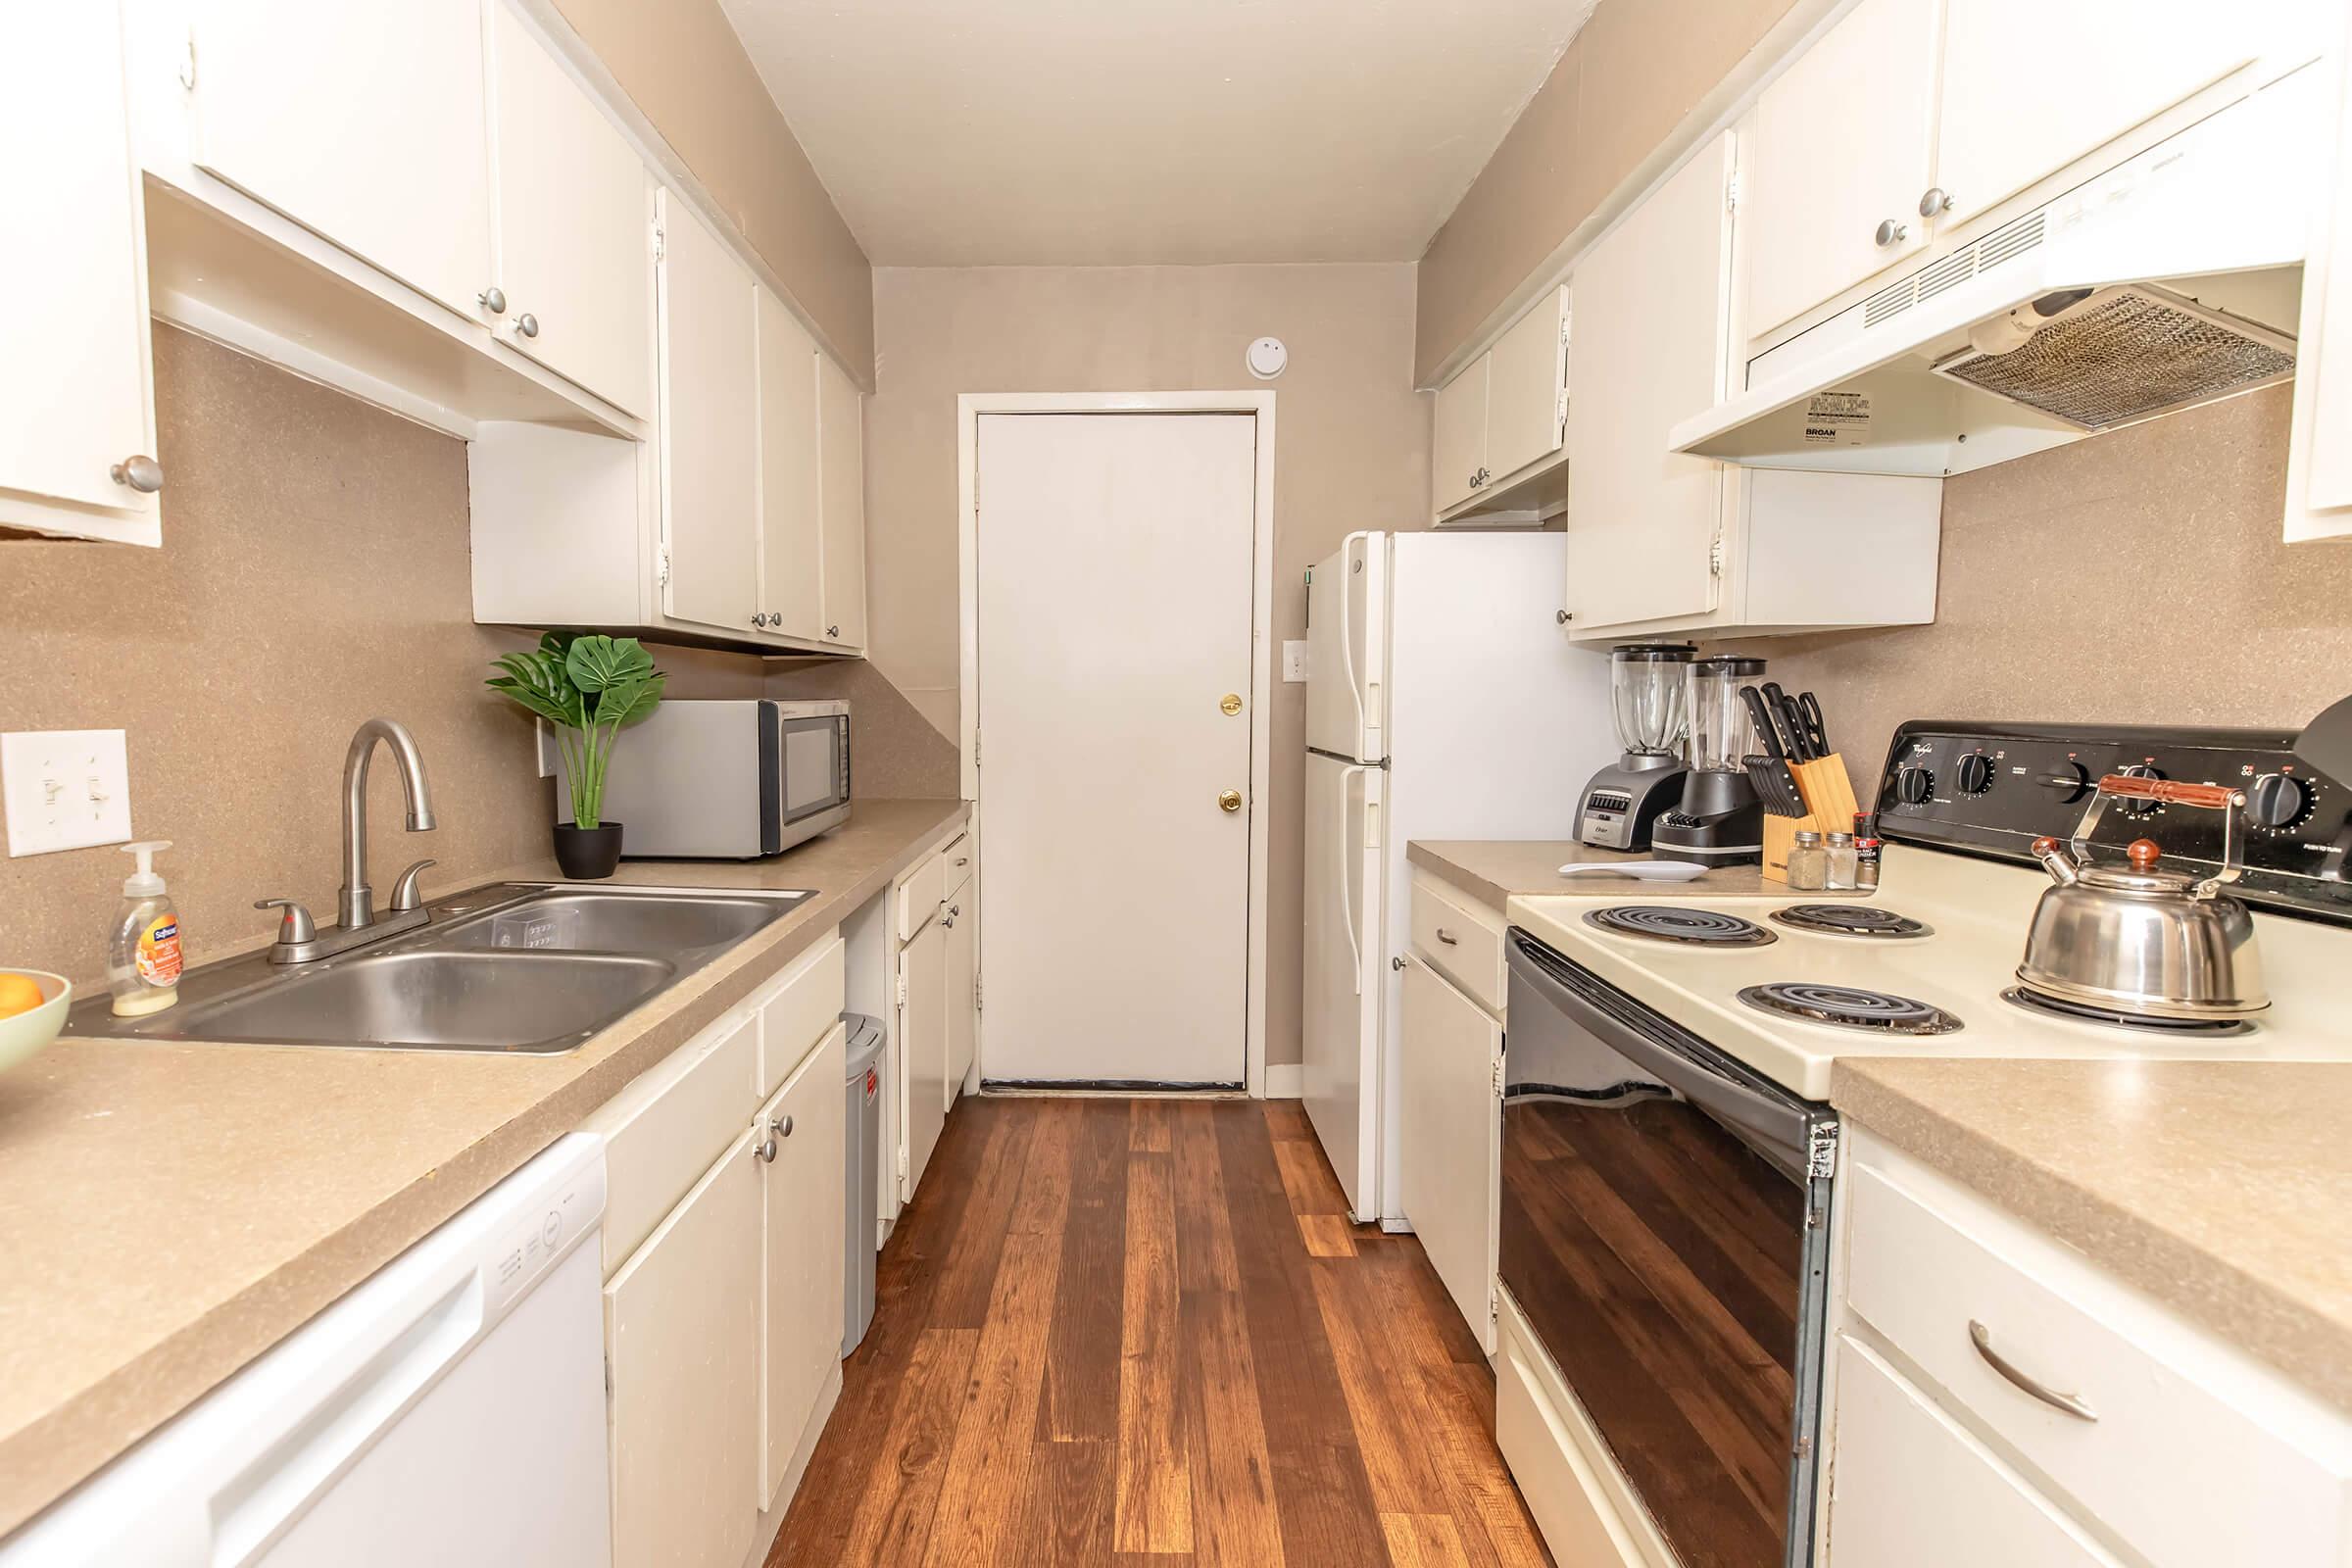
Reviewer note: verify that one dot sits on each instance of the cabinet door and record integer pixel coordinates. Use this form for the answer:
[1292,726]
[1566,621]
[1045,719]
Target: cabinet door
[922,1046]
[1527,374]
[76,398]
[681,1329]
[709,426]
[1452,1137]
[1842,142]
[1458,436]
[841,426]
[575,254]
[963,967]
[2319,463]
[792,564]
[801,1324]
[1649,346]
[2091,73]
[361,120]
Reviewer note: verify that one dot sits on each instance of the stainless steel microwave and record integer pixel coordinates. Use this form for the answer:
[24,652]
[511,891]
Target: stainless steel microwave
[728,780]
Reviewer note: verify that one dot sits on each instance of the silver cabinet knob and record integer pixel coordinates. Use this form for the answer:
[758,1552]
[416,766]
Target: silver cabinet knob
[494,300]
[781,1126]
[764,1152]
[1891,232]
[140,472]
[833,631]
[954,910]
[527,325]
[1937,200]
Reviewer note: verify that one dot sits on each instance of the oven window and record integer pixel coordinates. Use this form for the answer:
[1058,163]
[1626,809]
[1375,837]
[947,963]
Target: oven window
[812,766]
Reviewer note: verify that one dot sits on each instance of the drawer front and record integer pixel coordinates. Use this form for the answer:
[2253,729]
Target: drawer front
[1910,1490]
[956,862]
[664,1129]
[920,895]
[2196,1458]
[1462,942]
[798,1009]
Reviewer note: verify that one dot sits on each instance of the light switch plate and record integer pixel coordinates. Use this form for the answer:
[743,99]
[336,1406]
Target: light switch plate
[1293,660]
[548,756]
[66,789]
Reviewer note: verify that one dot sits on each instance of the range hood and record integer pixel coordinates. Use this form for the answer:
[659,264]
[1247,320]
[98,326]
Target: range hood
[2168,280]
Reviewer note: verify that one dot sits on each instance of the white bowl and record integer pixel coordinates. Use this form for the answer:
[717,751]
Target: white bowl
[24,1034]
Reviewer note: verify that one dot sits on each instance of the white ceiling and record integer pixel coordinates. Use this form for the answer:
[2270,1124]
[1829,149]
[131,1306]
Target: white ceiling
[967,132]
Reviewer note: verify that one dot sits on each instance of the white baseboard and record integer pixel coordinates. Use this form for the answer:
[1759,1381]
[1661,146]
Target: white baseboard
[1284,1080]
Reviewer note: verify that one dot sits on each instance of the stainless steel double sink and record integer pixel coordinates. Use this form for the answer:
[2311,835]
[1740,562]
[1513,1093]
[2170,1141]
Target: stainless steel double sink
[512,967]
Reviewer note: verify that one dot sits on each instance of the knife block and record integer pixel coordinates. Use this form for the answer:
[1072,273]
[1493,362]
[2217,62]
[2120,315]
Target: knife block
[1829,795]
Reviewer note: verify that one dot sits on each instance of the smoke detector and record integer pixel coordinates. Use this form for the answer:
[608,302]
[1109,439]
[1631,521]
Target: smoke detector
[1266,358]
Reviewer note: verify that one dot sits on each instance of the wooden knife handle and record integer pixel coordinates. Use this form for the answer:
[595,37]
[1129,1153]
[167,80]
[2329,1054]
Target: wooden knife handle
[2173,791]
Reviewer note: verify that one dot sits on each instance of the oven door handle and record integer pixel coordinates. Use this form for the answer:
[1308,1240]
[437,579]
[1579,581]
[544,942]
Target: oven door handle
[1780,1122]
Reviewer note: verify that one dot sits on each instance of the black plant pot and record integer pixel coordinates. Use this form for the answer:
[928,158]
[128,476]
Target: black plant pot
[587,853]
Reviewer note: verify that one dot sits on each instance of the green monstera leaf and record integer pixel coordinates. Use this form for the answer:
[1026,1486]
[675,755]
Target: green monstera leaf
[588,686]
[537,681]
[596,663]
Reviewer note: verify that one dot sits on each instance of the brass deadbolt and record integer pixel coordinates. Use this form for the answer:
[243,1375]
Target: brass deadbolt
[1231,800]
[1231,703]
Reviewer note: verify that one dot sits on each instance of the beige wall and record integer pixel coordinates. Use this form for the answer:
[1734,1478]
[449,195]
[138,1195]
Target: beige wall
[681,64]
[2136,577]
[314,575]
[1352,451]
[1632,74]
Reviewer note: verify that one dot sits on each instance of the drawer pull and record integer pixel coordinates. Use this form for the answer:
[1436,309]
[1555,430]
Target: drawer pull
[1449,938]
[2073,1404]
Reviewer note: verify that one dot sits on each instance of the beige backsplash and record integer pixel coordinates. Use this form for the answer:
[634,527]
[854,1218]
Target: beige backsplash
[2137,577]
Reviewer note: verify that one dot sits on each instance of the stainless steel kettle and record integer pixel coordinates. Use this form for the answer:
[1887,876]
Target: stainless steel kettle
[2139,939]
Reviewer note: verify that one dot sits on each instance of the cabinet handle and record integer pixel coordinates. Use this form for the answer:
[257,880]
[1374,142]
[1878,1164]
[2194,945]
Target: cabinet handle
[781,1126]
[766,1152]
[494,300]
[140,472]
[1891,232]
[1449,938]
[952,912]
[833,631]
[2073,1404]
[527,325]
[963,859]
[1563,616]
[1937,200]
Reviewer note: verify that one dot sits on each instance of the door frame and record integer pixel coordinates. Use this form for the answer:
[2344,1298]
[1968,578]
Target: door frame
[1259,405]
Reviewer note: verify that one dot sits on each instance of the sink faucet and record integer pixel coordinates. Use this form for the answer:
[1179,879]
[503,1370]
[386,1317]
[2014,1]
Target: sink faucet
[356,901]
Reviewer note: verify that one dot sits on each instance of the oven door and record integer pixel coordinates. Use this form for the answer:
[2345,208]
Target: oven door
[1665,1232]
[815,766]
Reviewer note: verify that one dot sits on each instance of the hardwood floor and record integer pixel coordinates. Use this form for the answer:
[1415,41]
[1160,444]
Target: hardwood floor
[1130,1332]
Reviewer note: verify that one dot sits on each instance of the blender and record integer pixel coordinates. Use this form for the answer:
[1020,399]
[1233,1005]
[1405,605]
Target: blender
[1648,687]
[1719,820]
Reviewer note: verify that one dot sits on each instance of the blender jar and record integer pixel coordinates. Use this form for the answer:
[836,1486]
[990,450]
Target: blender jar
[1722,735]
[1646,694]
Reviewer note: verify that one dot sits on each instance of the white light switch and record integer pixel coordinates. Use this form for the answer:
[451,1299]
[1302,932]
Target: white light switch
[1293,660]
[66,789]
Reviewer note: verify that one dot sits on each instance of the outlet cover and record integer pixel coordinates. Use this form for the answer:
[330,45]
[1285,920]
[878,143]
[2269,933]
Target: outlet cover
[1293,660]
[66,789]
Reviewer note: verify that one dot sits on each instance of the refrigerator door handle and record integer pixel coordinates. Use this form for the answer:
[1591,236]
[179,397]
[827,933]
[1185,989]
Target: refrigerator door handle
[1355,693]
[1347,905]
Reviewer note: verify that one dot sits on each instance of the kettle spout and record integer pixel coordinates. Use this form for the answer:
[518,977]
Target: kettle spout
[2064,870]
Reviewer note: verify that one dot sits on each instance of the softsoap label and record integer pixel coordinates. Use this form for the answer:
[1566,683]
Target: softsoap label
[157,957]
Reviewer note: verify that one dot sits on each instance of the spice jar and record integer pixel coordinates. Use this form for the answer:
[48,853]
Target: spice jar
[1808,862]
[1840,855]
[1866,852]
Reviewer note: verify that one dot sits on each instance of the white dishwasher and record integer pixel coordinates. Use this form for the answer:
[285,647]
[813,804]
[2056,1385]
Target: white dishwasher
[449,1410]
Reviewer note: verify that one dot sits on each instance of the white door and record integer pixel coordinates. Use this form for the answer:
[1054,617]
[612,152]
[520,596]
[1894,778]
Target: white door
[363,121]
[1452,1136]
[923,1047]
[75,400]
[1526,377]
[1339,1066]
[1347,650]
[709,426]
[1116,565]
[791,552]
[575,254]
[1457,437]
[1840,144]
[801,1314]
[1642,519]
[841,426]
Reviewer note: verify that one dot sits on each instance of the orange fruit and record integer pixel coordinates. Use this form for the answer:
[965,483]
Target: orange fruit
[19,993]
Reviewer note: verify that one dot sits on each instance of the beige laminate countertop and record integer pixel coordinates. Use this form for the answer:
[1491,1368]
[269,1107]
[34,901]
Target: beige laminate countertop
[2217,1188]
[1496,871]
[168,1212]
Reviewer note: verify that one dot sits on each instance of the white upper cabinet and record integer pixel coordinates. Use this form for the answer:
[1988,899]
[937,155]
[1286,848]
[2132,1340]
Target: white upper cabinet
[1527,389]
[1457,437]
[2319,459]
[1839,149]
[791,536]
[841,423]
[575,261]
[709,428]
[363,121]
[77,402]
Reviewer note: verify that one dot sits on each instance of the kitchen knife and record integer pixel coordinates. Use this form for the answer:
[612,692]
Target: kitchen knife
[1800,744]
[1768,732]
[1791,738]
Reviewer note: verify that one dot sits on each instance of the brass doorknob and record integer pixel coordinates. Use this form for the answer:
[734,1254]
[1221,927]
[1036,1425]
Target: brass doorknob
[1231,703]
[1230,801]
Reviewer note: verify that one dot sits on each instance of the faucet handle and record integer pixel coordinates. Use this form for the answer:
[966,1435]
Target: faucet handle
[296,925]
[405,895]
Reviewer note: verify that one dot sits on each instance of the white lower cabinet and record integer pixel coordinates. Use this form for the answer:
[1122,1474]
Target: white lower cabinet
[1452,1137]
[923,1047]
[801,1253]
[937,921]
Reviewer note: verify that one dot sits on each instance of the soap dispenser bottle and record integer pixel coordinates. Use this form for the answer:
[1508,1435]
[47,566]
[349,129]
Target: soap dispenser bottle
[143,959]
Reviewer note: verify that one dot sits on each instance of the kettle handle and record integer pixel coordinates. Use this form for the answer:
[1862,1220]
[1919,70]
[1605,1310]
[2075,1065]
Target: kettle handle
[2222,797]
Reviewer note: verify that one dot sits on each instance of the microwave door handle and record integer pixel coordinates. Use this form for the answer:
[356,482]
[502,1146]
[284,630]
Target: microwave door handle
[1780,1125]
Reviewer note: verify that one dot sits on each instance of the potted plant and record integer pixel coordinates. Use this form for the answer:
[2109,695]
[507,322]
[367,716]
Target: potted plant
[588,687]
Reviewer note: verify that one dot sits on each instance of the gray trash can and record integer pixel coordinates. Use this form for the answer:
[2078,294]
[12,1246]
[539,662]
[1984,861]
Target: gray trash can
[861,1195]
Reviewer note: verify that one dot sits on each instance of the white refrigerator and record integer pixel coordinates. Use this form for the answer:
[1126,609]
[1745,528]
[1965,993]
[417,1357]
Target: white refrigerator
[1444,701]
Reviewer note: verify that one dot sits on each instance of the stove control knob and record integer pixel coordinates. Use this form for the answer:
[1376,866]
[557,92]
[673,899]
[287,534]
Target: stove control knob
[2141,771]
[1914,785]
[2070,779]
[1974,773]
[2278,800]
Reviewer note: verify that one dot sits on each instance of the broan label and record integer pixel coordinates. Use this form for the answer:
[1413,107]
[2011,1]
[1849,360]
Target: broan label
[1837,418]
